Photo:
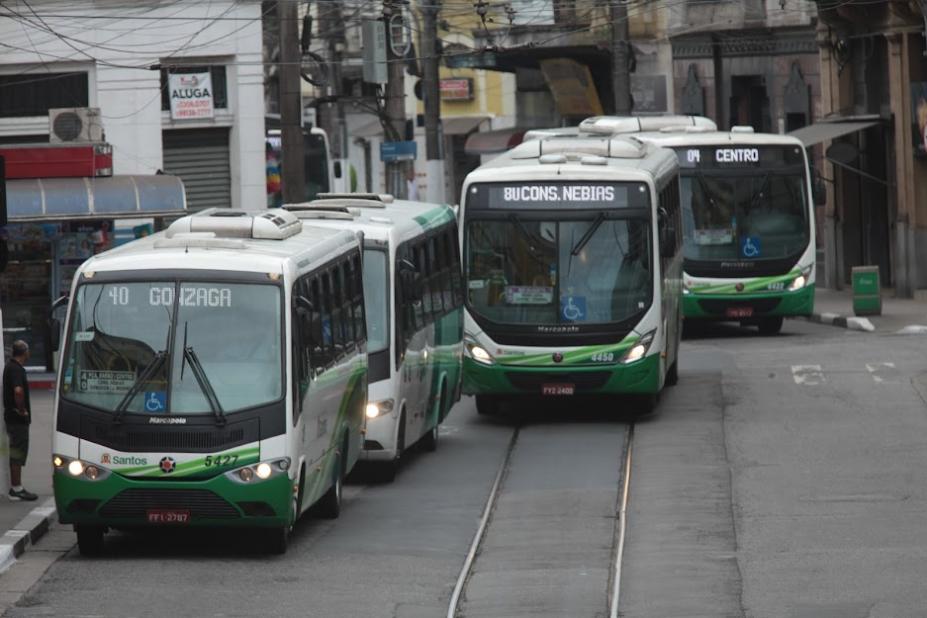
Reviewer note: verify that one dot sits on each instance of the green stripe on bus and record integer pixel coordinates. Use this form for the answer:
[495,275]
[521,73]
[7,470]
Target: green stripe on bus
[573,357]
[245,456]
[758,284]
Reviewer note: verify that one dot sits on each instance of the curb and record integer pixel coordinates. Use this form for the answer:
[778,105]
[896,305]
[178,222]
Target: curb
[835,319]
[27,532]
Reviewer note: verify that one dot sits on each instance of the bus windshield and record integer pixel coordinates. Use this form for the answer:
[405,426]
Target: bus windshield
[594,270]
[376,280]
[743,202]
[168,347]
[743,217]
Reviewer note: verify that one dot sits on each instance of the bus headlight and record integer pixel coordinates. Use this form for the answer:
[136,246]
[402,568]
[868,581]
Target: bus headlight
[639,349]
[376,409]
[260,471]
[77,468]
[801,280]
[479,353]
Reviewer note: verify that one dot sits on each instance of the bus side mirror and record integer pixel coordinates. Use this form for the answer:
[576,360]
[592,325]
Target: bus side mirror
[667,235]
[336,169]
[54,334]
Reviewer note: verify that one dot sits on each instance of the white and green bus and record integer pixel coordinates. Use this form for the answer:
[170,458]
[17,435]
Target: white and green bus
[572,270]
[214,374]
[748,220]
[414,307]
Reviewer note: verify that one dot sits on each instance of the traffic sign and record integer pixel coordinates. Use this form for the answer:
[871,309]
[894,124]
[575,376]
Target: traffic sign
[398,151]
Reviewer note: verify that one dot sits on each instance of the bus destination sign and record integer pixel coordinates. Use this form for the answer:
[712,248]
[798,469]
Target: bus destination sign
[557,196]
[738,156]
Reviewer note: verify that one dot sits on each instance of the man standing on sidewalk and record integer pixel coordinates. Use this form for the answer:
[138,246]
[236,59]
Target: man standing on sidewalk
[18,414]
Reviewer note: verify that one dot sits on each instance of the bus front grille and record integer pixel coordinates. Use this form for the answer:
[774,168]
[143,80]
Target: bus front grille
[147,438]
[582,381]
[719,306]
[202,503]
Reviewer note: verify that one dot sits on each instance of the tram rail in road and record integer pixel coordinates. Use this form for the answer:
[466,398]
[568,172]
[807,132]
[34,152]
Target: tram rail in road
[533,440]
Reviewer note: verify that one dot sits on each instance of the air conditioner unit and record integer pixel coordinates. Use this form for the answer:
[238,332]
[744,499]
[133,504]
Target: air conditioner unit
[75,124]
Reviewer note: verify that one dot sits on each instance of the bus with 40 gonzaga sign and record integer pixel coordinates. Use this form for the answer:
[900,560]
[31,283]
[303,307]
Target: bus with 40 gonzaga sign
[214,374]
[572,268]
[748,222]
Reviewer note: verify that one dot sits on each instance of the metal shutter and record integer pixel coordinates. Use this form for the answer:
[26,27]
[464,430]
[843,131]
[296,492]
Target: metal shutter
[201,158]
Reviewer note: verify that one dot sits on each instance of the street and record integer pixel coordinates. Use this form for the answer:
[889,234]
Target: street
[783,476]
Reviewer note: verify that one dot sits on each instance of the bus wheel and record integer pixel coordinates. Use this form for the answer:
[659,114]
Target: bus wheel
[330,505]
[430,439]
[770,326]
[672,376]
[89,540]
[486,405]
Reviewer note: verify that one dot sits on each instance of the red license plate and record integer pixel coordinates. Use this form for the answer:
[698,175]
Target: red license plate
[739,312]
[168,516]
[557,389]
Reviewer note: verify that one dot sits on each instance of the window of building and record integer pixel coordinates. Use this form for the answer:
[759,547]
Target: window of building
[33,94]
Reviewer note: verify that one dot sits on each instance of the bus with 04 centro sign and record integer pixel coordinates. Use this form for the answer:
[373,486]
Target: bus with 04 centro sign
[414,307]
[214,374]
[748,222]
[572,268]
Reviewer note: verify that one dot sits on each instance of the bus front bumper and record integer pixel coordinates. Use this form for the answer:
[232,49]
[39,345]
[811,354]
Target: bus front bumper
[715,306]
[641,377]
[219,501]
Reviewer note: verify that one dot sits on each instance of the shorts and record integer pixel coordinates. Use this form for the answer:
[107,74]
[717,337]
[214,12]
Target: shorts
[19,443]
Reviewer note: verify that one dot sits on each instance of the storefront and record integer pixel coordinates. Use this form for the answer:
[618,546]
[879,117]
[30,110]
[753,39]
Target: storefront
[56,224]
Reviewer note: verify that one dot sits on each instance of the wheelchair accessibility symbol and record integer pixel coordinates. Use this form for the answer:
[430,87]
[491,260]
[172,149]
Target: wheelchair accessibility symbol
[155,401]
[573,308]
[750,246]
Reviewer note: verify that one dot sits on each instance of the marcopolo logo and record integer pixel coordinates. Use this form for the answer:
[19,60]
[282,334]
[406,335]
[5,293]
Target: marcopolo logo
[123,460]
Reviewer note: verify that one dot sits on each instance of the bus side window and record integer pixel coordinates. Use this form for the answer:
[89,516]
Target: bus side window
[357,298]
[322,349]
[405,302]
[423,313]
[335,305]
[444,282]
[346,306]
[302,319]
[436,269]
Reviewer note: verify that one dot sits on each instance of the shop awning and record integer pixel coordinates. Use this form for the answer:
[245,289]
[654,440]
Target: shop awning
[114,197]
[827,130]
[462,125]
[491,142]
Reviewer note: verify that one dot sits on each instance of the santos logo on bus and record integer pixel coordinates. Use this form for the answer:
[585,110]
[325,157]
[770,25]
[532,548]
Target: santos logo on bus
[554,193]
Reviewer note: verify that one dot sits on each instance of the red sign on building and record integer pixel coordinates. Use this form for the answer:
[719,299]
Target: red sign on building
[457,89]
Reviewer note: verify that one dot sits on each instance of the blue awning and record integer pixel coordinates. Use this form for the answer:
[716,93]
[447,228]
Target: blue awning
[114,197]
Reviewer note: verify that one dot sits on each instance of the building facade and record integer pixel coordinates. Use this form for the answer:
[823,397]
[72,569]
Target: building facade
[173,89]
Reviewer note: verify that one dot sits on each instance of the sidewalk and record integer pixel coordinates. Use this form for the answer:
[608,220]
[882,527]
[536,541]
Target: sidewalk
[23,523]
[899,315]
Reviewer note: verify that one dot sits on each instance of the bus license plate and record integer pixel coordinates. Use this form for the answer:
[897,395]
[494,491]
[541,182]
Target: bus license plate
[168,516]
[557,389]
[739,312]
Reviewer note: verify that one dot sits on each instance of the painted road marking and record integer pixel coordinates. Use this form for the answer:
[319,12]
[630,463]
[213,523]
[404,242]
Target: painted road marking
[810,375]
[883,372]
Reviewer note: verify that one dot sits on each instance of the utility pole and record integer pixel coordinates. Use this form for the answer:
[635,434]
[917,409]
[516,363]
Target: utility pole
[291,109]
[395,100]
[621,77]
[434,161]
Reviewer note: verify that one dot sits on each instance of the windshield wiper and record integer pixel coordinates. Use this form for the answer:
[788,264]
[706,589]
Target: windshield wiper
[588,235]
[200,374]
[155,365]
[755,198]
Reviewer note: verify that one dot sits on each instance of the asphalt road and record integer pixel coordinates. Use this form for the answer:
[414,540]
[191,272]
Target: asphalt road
[783,476]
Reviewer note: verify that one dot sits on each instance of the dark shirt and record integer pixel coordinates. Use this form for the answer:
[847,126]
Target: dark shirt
[14,375]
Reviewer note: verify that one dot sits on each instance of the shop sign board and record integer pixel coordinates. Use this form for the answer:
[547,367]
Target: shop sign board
[191,95]
[398,151]
[457,89]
